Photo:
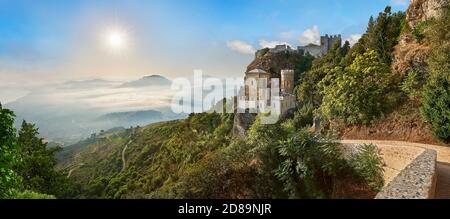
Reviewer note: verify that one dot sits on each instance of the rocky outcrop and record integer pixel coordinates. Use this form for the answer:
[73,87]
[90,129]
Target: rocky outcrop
[242,122]
[422,10]
[275,62]
[410,54]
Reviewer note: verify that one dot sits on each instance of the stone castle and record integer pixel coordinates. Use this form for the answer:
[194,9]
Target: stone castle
[326,42]
[260,95]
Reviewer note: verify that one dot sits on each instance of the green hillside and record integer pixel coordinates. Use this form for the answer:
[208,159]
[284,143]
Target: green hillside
[198,158]
[156,156]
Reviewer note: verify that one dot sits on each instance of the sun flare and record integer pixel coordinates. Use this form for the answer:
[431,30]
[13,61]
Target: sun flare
[116,40]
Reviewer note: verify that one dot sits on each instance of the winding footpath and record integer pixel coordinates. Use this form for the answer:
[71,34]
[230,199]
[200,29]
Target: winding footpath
[73,169]
[124,162]
[443,161]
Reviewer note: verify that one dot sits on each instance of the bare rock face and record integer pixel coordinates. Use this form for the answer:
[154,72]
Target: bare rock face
[410,54]
[242,122]
[275,62]
[421,10]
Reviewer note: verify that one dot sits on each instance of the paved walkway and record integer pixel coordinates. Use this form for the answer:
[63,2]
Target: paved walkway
[443,165]
[443,181]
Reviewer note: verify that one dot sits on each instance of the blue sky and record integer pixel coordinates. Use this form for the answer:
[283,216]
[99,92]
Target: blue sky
[52,40]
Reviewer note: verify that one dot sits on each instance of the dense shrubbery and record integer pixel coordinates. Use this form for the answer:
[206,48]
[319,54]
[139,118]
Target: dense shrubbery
[436,105]
[436,95]
[33,195]
[308,165]
[354,85]
[198,158]
[412,85]
[356,94]
[296,164]
[366,164]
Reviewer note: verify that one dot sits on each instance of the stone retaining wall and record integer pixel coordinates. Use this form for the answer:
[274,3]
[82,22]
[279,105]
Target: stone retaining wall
[416,181]
[409,171]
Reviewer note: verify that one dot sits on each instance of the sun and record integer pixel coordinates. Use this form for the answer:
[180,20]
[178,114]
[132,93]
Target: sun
[116,40]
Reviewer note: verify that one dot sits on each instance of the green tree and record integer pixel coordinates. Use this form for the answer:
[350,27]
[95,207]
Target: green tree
[307,91]
[356,94]
[382,36]
[303,65]
[38,163]
[8,154]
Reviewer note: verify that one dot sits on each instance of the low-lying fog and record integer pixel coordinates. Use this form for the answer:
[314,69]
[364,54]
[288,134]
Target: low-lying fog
[70,111]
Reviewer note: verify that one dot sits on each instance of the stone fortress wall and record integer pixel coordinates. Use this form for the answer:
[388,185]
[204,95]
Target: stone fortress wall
[326,42]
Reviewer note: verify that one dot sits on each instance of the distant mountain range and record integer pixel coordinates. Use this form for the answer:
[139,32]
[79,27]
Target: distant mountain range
[70,111]
[146,81]
[87,84]
[132,117]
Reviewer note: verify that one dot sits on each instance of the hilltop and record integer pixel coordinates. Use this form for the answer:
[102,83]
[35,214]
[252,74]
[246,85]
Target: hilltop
[148,81]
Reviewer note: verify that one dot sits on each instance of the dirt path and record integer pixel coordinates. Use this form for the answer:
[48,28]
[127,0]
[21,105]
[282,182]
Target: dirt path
[442,168]
[73,169]
[124,162]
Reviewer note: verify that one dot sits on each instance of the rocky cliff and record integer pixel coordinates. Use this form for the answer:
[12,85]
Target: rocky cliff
[275,62]
[422,10]
[411,53]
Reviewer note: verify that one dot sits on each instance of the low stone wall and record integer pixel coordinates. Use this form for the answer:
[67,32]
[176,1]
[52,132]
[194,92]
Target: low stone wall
[409,171]
[416,181]
[396,159]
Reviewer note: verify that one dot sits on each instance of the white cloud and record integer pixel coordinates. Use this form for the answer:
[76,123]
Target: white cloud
[352,39]
[311,35]
[271,44]
[399,2]
[241,47]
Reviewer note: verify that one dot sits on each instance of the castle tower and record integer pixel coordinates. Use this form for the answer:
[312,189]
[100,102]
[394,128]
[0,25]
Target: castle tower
[326,42]
[287,81]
